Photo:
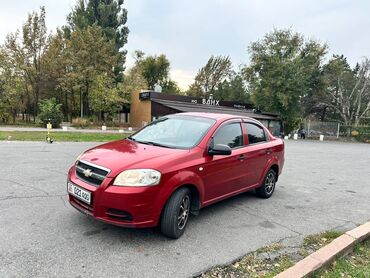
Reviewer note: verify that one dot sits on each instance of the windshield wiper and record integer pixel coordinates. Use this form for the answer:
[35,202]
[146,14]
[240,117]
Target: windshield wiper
[155,144]
[150,143]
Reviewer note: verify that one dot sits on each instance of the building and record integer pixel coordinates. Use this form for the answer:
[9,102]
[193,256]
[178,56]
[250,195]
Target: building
[147,106]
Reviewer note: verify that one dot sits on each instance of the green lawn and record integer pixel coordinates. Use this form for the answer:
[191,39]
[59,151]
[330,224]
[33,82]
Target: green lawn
[355,264]
[60,136]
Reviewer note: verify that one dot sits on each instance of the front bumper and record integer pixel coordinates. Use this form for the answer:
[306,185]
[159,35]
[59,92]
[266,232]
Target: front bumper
[134,207]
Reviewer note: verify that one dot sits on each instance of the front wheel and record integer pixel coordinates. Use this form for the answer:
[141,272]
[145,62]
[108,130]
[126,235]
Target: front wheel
[268,186]
[176,213]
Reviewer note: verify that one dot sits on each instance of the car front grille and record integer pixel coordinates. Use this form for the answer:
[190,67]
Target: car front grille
[91,173]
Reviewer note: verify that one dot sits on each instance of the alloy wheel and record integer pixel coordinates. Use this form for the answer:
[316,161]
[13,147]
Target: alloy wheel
[183,215]
[270,183]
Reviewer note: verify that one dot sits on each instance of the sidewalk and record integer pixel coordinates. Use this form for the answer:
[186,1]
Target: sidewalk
[70,129]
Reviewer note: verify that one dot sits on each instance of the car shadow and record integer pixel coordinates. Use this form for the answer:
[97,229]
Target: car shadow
[210,214]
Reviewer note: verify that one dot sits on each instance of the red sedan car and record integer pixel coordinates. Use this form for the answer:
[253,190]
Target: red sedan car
[173,167]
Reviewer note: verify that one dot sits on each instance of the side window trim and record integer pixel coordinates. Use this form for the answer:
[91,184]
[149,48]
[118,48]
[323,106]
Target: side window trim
[228,122]
[267,139]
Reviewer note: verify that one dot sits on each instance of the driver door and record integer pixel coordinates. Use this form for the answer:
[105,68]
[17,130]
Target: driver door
[224,174]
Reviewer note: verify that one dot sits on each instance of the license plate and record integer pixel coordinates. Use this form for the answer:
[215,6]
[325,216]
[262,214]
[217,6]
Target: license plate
[80,193]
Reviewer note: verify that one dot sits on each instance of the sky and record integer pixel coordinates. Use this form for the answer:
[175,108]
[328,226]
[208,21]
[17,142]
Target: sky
[188,32]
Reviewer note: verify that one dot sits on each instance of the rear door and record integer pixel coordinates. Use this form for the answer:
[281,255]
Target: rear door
[224,174]
[257,153]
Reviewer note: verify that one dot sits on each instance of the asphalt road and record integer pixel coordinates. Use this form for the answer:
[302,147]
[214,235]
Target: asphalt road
[324,186]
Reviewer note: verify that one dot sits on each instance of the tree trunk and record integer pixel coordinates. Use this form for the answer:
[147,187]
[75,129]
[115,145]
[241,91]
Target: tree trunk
[73,105]
[14,115]
[86,100]
[66,106]
[35,106]
[81,105]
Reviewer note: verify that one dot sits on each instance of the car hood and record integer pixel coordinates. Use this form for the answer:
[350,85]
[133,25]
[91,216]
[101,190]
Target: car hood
[126,154]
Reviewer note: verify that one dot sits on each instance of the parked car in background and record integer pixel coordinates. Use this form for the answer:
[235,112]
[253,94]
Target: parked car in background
[173,167]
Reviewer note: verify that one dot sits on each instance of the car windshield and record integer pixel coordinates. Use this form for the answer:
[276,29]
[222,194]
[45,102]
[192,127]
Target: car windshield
[174,131]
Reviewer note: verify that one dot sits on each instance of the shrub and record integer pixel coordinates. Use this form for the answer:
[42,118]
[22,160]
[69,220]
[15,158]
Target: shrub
[80,122]
[51,111]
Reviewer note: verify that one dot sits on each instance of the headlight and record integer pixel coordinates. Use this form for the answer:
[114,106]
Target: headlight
[138,177]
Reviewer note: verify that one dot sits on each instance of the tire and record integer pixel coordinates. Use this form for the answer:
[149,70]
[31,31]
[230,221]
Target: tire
[268,186]
[175,215]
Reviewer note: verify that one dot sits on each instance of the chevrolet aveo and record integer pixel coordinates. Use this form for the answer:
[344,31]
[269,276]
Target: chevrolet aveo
[173,167]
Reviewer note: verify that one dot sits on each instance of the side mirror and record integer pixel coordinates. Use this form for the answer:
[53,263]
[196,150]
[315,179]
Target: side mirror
[219,149]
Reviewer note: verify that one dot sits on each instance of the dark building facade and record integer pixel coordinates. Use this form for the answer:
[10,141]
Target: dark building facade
[147,106]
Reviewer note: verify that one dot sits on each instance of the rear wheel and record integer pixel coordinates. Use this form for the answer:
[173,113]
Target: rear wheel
[176,213]
[268,186]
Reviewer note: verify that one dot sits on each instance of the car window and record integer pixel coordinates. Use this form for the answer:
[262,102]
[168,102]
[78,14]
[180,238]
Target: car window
[230,135]
[174,131]
[256,134]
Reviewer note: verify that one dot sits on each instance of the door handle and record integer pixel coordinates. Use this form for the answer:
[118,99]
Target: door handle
[268,151]
[241,157]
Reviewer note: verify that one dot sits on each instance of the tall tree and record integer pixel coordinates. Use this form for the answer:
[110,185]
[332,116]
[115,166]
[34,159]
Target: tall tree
[170,86]
[11,88]
[91,55]
[283,73]
[111,16]
[106,97]
[209,77]
[26,54]
[348,91]
[155,69]
[34,46]
[58,69]
[233,89]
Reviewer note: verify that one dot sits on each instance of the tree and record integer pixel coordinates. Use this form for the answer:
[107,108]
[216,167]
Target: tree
[111,17]
[10,89]
[209,77]
[170,86]
[283,74]
[34,46]
[58,73]
[106,97]
[155,69]
[234,89]
[133,81]
[25,55]
[348,91]
[50,110]
[90,54]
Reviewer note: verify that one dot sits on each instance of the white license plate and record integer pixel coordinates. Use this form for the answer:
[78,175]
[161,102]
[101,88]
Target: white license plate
[79,193]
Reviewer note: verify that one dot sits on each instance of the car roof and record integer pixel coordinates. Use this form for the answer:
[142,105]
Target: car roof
[216,116]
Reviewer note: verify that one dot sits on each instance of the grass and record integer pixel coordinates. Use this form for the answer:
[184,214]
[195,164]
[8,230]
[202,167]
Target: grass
[356,264]
[319,240]
[270,260]
[253,265]
[60,136]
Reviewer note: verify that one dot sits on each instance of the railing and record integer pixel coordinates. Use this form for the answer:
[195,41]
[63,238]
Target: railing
[336,130]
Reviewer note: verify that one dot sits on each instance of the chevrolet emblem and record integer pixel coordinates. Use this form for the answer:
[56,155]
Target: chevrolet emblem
[87,173]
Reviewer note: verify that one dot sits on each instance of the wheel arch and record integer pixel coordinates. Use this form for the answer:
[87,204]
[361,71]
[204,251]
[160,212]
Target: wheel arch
[275,168]
[182,179]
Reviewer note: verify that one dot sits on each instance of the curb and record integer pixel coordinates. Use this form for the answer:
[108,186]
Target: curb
[325,255]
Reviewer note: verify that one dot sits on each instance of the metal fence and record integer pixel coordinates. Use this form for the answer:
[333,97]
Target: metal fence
[337,130]
[317,128]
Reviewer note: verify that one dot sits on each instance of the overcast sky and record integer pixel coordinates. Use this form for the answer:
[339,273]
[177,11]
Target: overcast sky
[189,31]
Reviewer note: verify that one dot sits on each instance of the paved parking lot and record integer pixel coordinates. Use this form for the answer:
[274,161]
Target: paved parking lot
[324,186]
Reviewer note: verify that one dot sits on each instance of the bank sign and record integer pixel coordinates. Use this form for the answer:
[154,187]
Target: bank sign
[214,102]
[217,102]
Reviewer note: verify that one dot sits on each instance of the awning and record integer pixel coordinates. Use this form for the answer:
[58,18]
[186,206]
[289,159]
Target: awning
[195,107]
